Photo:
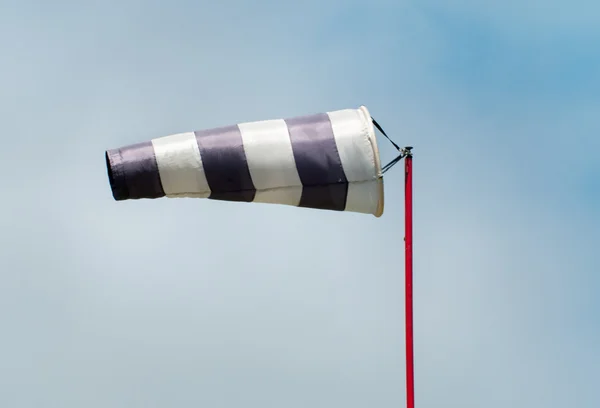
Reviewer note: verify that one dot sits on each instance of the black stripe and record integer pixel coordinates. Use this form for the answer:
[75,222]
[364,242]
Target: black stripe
[133,172]
[324,182]
[225,164]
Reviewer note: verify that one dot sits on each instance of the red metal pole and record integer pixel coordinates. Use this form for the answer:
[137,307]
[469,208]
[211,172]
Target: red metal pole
[408,264]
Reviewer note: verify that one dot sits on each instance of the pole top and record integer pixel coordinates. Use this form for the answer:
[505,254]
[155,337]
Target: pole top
[407,151]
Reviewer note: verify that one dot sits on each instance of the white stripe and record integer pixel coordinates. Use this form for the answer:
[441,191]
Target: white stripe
[351,133]
[180,166]
[365,197]
[269,154]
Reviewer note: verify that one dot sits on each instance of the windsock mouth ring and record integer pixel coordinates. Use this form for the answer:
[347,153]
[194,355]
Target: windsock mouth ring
[377,159]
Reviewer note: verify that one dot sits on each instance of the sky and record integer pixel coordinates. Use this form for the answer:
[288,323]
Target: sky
[183,302]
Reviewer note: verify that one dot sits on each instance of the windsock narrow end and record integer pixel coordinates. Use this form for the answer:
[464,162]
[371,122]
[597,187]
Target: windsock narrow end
[133,172]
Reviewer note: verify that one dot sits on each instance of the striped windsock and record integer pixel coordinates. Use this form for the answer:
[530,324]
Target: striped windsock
[325,161]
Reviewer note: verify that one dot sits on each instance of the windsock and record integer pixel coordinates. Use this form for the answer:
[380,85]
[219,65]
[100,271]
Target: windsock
[327,161]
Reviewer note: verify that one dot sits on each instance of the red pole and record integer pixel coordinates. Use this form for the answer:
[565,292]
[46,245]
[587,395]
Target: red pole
[408,264]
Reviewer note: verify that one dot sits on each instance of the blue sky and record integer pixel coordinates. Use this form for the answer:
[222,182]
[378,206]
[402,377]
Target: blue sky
[192,302]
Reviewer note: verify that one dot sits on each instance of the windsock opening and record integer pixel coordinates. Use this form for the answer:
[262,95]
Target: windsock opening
[116,190]
[326,161]
[377,159]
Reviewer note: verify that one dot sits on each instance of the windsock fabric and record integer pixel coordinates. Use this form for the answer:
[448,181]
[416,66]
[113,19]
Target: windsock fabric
[326,161]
